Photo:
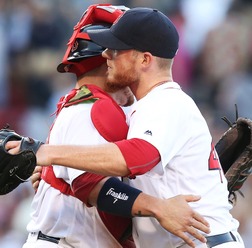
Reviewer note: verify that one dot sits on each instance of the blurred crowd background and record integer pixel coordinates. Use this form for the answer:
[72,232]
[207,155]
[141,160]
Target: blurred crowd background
[213,65]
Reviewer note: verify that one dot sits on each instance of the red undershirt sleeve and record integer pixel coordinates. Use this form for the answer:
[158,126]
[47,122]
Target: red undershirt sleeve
[84,184]
[117,225]
[140,155]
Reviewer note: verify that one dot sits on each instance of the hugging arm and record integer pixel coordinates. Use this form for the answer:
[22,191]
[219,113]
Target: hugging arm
[174,214]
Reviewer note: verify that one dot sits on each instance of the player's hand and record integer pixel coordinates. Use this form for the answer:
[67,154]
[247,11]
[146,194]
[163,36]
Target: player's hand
[124,97]
[36,177]
[176,216]
[13,147]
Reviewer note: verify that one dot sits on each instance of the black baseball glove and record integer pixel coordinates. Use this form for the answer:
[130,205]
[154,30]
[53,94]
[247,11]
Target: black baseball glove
[235,153]
[16,169]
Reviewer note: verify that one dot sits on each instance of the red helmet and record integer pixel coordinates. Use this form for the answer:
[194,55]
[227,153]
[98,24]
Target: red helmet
[82,54]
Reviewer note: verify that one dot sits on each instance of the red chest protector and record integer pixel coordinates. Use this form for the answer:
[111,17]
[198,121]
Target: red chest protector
[107,117]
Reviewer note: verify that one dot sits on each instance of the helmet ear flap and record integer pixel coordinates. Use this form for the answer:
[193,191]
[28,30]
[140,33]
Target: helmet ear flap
[83,66]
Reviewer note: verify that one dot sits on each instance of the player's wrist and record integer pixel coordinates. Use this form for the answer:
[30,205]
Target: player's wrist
[45,155]
[146,205]
[117,198]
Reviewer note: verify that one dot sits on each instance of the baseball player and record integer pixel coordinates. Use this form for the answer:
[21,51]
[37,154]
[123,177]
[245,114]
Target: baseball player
[59,217]
[169,148]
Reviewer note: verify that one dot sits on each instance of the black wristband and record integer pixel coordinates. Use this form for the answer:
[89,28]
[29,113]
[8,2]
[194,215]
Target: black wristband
[117,198]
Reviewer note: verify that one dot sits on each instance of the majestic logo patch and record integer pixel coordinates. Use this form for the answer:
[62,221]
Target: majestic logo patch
[148,132]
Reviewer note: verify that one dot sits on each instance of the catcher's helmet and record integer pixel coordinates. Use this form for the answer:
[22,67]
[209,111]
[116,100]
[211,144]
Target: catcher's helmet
[83,55]
[83,49]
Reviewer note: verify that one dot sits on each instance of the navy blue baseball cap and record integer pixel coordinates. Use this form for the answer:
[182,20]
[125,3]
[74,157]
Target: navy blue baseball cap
[142,29]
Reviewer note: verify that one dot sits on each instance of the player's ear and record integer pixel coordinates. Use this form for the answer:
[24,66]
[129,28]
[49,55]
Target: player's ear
[146,58]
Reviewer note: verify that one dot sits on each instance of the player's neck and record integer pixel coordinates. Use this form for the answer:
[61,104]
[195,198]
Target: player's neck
[147,87]
[96,77]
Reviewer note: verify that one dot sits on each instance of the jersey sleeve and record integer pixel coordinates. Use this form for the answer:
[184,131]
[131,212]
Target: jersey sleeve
[84,184]
[140,155]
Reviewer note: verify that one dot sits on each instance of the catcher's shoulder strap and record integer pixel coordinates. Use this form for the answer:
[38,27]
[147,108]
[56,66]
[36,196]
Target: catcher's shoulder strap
[107,117]
[75,96]
[58,183]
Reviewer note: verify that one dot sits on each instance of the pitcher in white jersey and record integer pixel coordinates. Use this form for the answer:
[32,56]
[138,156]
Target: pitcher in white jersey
[141,47]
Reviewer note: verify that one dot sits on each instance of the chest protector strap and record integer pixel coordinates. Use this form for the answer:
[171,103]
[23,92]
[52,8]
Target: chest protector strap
[107,117]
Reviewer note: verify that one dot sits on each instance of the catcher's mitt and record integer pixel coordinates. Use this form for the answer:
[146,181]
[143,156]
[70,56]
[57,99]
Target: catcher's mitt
[235,153]
[16,169]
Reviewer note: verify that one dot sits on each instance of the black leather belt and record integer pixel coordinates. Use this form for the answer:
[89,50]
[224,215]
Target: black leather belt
[42,236]
[220,239]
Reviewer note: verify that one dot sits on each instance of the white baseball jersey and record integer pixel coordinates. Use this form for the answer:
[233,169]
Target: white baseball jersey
[170,120]
[59,215]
